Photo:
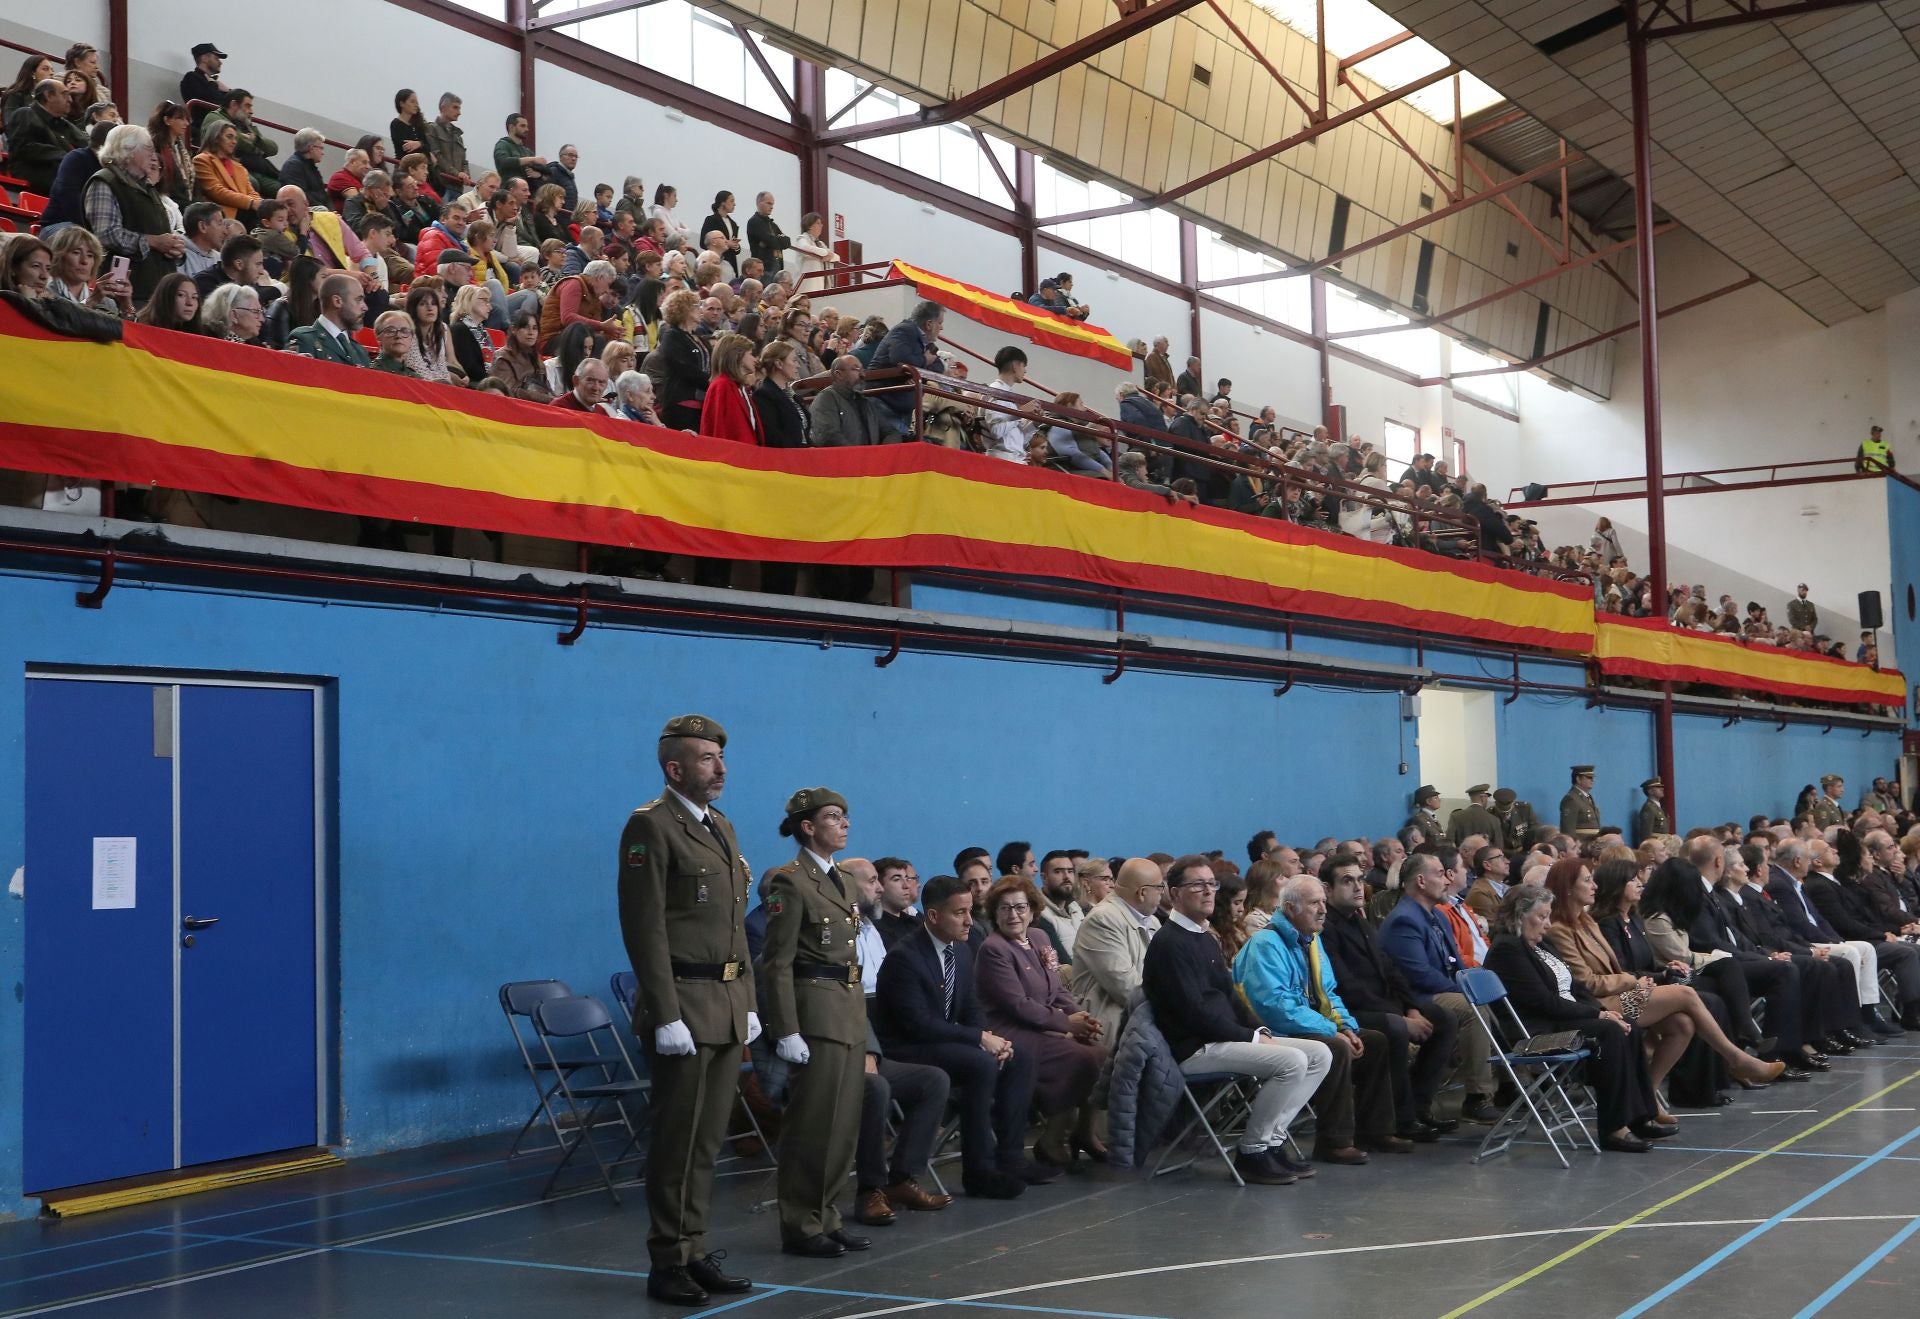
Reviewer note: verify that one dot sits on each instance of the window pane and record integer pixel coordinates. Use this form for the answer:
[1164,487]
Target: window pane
[1400,442]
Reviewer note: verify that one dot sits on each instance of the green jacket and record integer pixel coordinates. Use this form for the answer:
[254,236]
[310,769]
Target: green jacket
[317,343]
[249,140]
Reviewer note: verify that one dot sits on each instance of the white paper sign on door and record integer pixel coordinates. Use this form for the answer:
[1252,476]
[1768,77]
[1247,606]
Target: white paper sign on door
[113,870]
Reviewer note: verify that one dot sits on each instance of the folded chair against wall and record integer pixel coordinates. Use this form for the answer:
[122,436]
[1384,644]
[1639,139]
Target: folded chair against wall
[518,998]
[580,1023]
[1539,1078]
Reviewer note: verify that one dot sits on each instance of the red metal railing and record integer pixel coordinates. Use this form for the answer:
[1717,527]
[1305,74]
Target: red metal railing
[1807,472]
[268,123]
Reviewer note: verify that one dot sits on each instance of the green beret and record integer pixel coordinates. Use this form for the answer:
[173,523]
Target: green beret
[1424,791]
[1479,790]
[1506,796]
[694,725]
[1826,779]
[808,800]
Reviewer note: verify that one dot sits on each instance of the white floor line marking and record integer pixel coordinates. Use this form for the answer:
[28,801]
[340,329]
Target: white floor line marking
[1779,1112]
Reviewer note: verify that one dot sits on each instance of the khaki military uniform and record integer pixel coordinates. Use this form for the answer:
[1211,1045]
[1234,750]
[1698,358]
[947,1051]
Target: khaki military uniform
[1649,820]
[1579,815]
[1517,825]
[1471,819]
[683,906]
[1825,812]
[1429,824]
[811,975]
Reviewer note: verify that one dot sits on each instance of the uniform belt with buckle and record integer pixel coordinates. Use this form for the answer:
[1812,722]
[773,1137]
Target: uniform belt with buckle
[848,974]
[709,970]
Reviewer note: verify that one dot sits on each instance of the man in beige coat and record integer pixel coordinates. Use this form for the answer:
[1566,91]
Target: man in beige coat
[1110,951]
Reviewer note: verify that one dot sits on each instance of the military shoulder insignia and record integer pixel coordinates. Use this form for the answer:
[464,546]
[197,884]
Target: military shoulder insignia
[776,904]
[636,854]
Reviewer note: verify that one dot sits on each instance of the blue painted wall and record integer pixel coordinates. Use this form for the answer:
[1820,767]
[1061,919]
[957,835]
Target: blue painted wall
[1733,773]
[1903,538]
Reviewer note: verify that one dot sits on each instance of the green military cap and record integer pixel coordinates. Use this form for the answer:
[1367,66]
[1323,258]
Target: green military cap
[1424,791]
[1826,779]
[1505,797]
[694,725]
[1479,790]
[1578,770]
[808,800]
[1651,783]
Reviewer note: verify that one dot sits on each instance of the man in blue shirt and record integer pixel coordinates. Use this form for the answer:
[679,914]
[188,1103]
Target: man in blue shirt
[1418,939]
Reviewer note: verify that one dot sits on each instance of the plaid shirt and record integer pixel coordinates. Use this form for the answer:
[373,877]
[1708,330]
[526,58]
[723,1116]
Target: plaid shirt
[103,217]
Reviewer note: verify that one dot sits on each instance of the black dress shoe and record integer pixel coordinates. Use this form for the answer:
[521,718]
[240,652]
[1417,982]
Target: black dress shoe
[1720,1099]
[707,1272]
[1419,1135]
[994,1185]
[1034,1174]
[1794,1072]
[1624,1144]
[1835,1047]
[1855,1038]
[817,1246]
[1648,1129]
[1812,1062]
[673,1284]
[850,1240]
[1441,1125]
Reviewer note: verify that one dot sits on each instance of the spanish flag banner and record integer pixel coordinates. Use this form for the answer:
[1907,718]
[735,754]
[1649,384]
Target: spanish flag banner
[1036,324]
[1649,648]
[184,412]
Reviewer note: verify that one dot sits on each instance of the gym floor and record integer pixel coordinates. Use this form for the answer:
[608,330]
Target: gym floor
[1794,1200]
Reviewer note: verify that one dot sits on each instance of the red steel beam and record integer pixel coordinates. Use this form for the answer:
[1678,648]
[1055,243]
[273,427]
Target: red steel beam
[1447,189]
[1377,48]
[1259,55]
[1496,123]
[1019,80]
[584,13]
[759,59]
[1751,11]
[1401,230]
[1232,167]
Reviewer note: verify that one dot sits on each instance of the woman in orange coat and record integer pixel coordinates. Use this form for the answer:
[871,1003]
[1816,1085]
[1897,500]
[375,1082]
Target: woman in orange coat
[223,180]
[728,412]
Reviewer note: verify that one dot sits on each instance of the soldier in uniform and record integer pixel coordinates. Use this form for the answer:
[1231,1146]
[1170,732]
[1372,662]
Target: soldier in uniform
[1425,798]
[1475,818]
[683,906]
[1826,810]
[1579,814]
[1651,818]
[817,1009]
[1517,821]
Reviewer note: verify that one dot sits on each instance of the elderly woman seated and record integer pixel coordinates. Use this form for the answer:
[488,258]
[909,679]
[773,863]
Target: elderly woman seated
[1017,981]
[632,397]
[232,312]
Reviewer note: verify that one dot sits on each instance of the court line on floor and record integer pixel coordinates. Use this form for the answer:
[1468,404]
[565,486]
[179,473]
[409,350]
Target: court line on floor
[1602,1234]
[1759,1230]
[1858,1271]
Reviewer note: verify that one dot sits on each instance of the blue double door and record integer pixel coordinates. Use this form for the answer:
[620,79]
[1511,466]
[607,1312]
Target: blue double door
[172,973]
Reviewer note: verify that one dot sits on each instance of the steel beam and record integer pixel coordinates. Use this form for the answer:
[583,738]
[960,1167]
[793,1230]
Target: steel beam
[1750,11]
[1377,48]
[759,59]
[1285,144]
[1260,56]
[1023,210]
[581,15]
[519,16]
[810,97]
[117,62]
[1077,52]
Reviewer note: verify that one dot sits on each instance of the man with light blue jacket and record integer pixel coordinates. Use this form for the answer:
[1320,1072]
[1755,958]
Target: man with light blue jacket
[1288,981]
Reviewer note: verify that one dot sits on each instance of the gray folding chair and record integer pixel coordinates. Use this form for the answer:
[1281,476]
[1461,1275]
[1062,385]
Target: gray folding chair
[1539,1078]
[582,1022]
[518,998]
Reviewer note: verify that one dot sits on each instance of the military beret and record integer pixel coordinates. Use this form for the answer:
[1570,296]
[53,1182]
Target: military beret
[1651,783]
[1825,779]
[1479,790]
[808,800]
[1578,770]
[694,725]
[1424,791]
[1506,796]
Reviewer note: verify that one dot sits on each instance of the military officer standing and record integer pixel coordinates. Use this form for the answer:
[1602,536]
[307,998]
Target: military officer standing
[1826,810]
[1517,821]
[1475,818]
[1425,798]
[1579,814]
[1651,818]
[817,1008]
[683,905]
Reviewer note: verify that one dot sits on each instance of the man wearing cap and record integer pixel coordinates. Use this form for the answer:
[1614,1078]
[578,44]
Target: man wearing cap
[1651,818]
[1517,821]
[1801,614]
[1826,810]
[1875,455]
[1579,814]
[1474,817]
[202,83]
[817,1009]
[683,905]
[1425,798]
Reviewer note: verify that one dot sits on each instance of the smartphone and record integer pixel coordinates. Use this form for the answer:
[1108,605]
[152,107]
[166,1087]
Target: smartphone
[119,267]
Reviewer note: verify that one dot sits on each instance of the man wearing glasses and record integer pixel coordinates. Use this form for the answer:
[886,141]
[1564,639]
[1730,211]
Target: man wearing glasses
[1210,1028]
[1110,951]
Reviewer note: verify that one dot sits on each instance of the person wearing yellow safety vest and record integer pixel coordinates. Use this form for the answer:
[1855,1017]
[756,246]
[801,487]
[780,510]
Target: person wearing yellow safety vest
[1875,455]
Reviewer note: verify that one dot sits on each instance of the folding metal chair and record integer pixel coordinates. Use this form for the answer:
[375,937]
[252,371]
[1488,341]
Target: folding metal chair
[585,1021]
[518,998]
[1542,1099]
[626,992]
[1217,1119]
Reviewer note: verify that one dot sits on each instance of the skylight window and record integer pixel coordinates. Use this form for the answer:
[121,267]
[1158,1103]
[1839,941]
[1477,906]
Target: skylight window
[1354,25]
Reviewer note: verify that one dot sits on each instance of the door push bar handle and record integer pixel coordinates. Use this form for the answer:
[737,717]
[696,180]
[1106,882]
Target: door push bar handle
[199,922]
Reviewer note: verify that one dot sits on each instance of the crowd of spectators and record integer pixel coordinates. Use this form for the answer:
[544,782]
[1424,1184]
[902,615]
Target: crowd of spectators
[1324,975]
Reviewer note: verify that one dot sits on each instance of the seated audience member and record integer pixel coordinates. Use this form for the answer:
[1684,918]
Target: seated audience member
[175,305]
[883,1182]
[1786,886]
[1022,998]
[1672,1015]
[1850,912]
[40,134]
[1229,912]
[1289,982]
[232,312]
[219,177]
[914,342]
[26,267]
[206,231]
[1209,1027]
[787,421]
[632,397]
[1492,867]
[242,261]
[77,259]
[343,304]
[899,915]
[727,412]
[1830,998]
[299,306]
[432,355]
[926,1011]
[1469,933]
[346,182]
[466,328]
[1420,942]
[1058,910]
[1542,989]
[393,330]
[302,167]
[841,414]
[1075,450]
[589,387]
[251,148]
[1382,1001]
[128,214]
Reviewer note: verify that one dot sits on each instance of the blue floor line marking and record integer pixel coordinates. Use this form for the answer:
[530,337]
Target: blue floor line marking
[1859,1271]
[1754,1233]
[759,1294]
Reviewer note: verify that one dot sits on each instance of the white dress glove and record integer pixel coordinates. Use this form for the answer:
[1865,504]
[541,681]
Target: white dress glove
[753,1027]
[673,1038]
[793,1049]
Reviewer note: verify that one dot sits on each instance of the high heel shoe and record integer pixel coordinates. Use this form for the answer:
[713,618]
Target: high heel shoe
[1756,1072]
[1085,1143]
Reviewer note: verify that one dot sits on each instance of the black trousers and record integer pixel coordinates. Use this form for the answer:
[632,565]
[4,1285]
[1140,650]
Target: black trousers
[1831,994]
[993,1102]
[1355,1098]
[1779,984]
[1618,1073]
[1903,959]
[1415,1072]
[921,1092]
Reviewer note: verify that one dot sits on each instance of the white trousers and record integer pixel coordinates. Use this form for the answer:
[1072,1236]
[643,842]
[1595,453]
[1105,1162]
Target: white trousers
[1289,1072]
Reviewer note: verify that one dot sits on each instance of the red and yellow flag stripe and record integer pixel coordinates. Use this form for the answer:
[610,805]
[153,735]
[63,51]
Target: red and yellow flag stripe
[185,412]
[1036,324]
[1648,648]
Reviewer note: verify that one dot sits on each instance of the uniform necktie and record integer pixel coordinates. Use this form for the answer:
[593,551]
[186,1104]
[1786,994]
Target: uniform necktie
[713,827]
[946,979]
[1321,999]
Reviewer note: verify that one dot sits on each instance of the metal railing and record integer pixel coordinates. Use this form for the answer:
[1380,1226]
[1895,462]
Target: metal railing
[264,122]
[1806,472]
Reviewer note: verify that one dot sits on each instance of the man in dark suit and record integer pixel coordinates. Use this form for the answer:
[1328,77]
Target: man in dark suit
[1756,973]
[343,306]
[1786,885]
[683,906]
[925,1012]
[1850,910]
[1419,942]
[1830,1007]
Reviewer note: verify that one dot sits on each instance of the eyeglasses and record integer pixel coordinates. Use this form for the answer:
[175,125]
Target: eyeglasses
[1020,907]
[1204,885]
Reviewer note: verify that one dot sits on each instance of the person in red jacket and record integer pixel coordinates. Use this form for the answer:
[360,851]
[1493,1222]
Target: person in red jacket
[728,412]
